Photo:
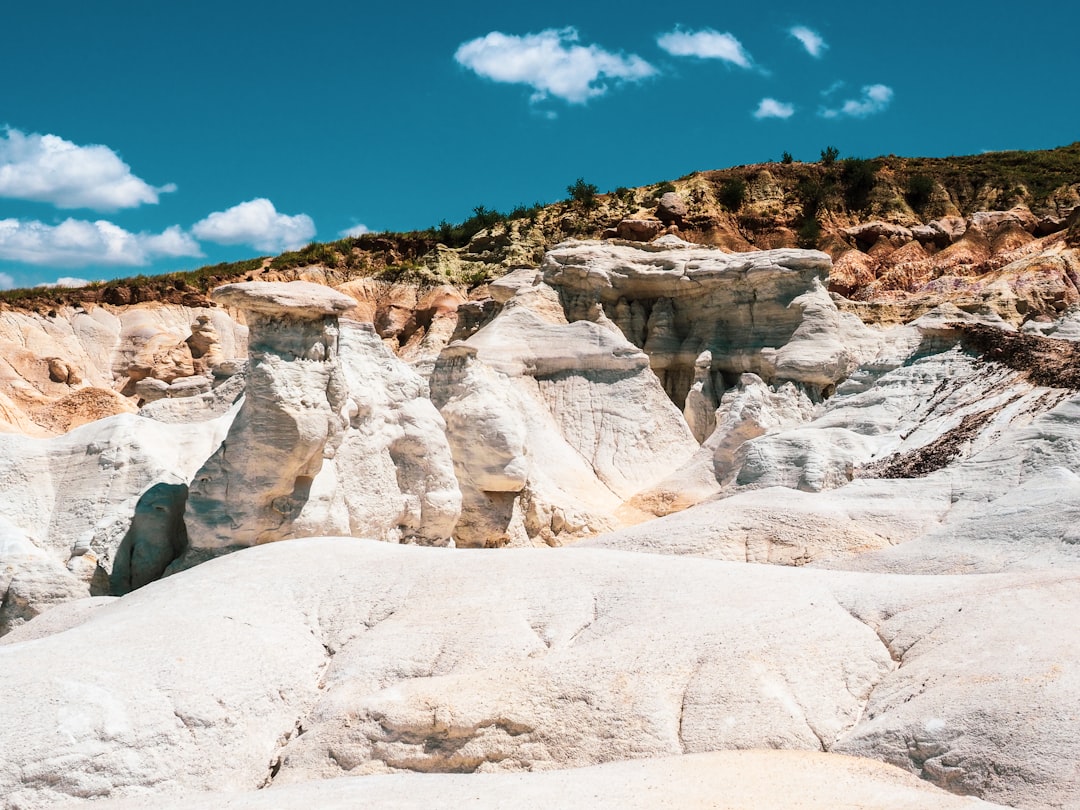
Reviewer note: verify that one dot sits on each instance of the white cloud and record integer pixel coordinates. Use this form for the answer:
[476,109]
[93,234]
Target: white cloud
[77,243]
[256,223]
[6,282]
[705,44]
[771,108]
[67,282]
[355,230]
[875,98]
[811,40]
[551,63]
[46,168]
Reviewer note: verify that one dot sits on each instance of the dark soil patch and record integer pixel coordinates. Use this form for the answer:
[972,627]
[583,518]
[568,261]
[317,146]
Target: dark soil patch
[1043,361]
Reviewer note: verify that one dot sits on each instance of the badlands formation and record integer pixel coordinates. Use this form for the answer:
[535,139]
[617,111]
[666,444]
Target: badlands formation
[639,525]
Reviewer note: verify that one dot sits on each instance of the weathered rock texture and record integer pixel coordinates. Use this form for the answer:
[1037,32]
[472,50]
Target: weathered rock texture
[334,435]
[254,487]
[553,658]
[74,365]
[88,512]
[553,424]
[767,313]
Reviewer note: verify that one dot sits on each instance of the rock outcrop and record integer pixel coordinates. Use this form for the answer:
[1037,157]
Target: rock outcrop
[553,424]
[767,313]
[334,435]
[910,495]
[293,415]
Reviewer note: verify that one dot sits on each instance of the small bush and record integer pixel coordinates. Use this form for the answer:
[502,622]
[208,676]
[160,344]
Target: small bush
[809,233]
[919,189]
[583,193]
[858,177]
[813,194]
[829,155]
[733,194]
[664,188]
[787,159]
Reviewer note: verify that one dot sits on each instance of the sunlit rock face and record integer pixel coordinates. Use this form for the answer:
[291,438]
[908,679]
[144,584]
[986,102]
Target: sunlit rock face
[254,487]
[766,312]
[335,435]
[553,425]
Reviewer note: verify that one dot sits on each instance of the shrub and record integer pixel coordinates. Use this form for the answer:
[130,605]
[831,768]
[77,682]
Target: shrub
[829,155]
[664,188]
[787,159]
[583,193]
[919,189]
[809,233]
[733,193]
[858,177]
[812,194]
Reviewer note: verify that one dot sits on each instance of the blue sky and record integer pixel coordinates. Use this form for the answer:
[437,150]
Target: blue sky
[146,137]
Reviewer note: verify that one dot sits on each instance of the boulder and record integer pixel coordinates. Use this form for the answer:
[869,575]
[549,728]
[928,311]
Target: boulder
[672,209]
[639,230]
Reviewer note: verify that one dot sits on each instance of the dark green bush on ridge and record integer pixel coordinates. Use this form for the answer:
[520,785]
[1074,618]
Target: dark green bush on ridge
[858,177]
[732,194]
[919,189]
[583,193]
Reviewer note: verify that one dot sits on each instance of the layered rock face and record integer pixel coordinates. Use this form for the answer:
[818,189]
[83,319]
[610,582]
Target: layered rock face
[553,424]
[73,365]
[253,488]
[765,313]
[334,435]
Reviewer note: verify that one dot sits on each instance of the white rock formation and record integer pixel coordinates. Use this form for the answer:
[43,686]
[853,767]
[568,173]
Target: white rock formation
[392,475]
[553,424]
[335,434]
[552,658]
[69,504]
[293,415]
[763,312]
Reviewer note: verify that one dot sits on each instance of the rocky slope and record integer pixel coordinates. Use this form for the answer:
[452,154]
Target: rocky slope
[739,529]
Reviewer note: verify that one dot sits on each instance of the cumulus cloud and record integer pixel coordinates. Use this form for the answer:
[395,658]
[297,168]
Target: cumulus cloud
[771,108]
[68,282]
[258,224]
[551,63]
[355,230]
[705,44]
[46,168]
[811,40]
[77,243]
[875,98]
[6,282]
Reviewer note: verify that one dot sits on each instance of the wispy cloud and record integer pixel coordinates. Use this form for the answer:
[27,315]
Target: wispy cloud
[705,44]
[810,39]
[552,63]
[875,98]
[258,224]
[47,168]
[355,230]
[78,243]
[771,108]
[6,282]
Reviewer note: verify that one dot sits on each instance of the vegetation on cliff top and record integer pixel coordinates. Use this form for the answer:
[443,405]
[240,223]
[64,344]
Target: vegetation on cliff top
[806,199]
